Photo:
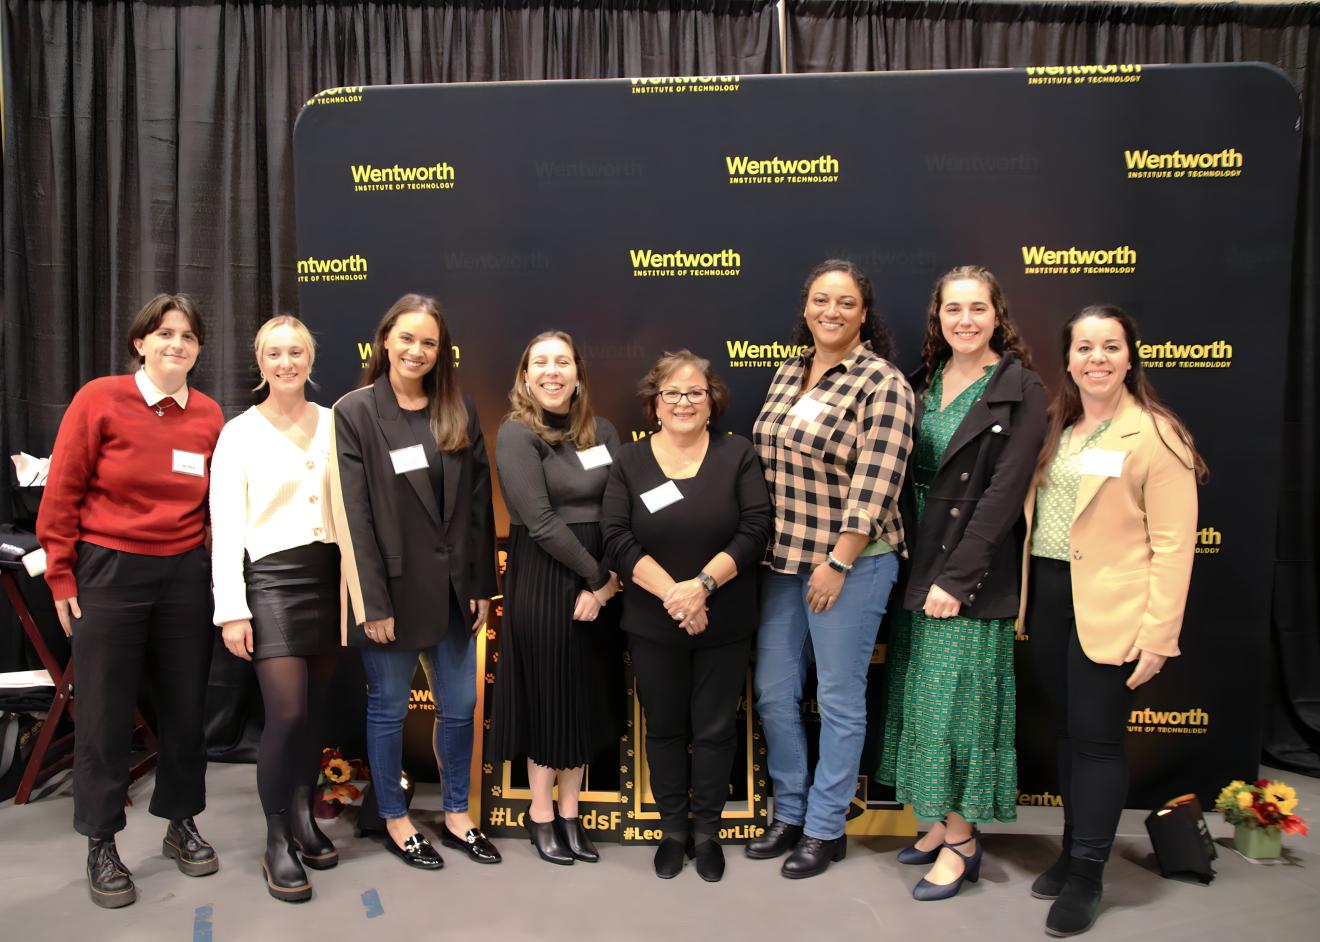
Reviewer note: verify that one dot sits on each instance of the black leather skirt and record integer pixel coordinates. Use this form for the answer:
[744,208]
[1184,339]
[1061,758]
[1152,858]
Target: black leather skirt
[294,598]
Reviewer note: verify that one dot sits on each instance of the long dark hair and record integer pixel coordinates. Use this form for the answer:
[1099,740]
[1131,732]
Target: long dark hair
[449,418]
[873,329]
[1005,339]
[523,406]
[1066,407]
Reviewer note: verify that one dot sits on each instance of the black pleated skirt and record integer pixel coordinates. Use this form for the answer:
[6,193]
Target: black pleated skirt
[555,681]
[294,598]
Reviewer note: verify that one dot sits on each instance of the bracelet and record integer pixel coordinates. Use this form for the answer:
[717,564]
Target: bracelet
[836,565]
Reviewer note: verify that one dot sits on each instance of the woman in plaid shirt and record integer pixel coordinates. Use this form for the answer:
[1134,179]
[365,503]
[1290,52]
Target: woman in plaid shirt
[834,437]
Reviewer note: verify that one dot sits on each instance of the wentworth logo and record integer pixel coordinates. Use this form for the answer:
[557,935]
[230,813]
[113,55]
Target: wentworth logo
[1042,260]
[1084,75]
[1146,164]
[747,353]
[822,169]
[685,84]
[1194,721]
[348,268]
[1217,354]
[679,264]
[367,178]
[1209,541]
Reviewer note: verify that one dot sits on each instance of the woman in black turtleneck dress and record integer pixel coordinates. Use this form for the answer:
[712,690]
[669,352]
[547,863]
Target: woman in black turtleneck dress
[551,697]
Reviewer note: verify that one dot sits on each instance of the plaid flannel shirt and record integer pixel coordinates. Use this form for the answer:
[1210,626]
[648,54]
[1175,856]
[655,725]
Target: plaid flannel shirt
[834,456]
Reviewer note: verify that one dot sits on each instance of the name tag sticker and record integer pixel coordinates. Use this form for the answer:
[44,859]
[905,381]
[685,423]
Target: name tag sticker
[189,462]
[658,498]
[807,409]
[1103,462]
[596,457]
[412,458]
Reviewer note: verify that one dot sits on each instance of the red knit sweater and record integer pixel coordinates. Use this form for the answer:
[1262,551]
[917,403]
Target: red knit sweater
[112,481]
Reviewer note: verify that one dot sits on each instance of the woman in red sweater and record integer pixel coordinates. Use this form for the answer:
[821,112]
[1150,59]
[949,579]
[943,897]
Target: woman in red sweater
[123,523]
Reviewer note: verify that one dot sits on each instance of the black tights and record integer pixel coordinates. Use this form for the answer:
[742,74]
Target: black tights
[294,690]
[1091,708]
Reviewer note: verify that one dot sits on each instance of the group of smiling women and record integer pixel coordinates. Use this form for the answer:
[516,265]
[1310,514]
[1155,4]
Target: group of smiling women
[992,512]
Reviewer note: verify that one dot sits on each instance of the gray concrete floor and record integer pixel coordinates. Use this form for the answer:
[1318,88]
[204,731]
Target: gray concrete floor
[866,896]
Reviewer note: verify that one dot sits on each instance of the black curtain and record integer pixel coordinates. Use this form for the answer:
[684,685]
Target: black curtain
[148,146]
[855,35]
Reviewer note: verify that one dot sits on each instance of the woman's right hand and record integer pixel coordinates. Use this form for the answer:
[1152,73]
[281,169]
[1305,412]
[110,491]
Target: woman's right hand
[237,635]
[66,610]
[587,606]
[609,589]
[380,630]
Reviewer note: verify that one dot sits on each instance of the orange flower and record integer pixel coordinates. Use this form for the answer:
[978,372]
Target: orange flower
[337,770]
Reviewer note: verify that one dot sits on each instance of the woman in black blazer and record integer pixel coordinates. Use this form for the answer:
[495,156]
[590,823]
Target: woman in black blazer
[949,727]
[412,496]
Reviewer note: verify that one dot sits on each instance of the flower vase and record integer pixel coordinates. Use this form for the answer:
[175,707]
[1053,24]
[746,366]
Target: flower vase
[1258,843]
[325,809]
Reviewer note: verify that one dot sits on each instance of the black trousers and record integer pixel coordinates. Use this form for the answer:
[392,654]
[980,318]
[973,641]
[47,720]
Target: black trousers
[140,615]
[690,695]
[1091,708]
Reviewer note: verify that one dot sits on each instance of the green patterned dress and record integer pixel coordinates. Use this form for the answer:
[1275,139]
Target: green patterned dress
[951,698]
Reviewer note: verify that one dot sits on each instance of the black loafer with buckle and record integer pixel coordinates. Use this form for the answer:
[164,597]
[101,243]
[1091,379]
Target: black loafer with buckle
[475,844]
[188,849]
[416,852]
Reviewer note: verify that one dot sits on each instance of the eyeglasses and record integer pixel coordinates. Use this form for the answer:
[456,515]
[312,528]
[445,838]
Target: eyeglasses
[671,397]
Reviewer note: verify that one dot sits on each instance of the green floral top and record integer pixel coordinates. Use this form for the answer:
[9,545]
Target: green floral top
[1057,497]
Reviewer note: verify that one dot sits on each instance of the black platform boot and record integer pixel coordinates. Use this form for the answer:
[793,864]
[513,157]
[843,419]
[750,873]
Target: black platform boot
[318,851]
[285,877]
[1078,904]
[186,847]
[108,881]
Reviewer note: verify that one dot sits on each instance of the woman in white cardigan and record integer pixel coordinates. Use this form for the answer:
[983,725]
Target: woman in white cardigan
[275,568]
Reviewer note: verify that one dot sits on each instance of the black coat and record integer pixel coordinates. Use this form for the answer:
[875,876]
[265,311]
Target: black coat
[401,558]
[969,542]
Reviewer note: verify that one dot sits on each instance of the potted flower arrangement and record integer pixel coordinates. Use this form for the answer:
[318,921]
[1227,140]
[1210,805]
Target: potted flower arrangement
[1261,813]
[335,787]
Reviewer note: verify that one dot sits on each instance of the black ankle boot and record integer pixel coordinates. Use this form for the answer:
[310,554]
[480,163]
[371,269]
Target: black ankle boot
[1078,904]
[709,858]
[285,877]
[576,839]
[1050,883]
[545,838]
[186,847]
[669,855]
[318,852]
[813,855]
[778,839]
[108,881]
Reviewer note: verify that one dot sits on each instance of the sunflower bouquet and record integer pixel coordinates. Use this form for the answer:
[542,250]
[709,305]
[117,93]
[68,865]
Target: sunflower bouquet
[337,776]
[1261,804]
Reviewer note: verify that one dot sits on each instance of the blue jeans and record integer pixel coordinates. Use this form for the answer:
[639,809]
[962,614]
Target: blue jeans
[451,672]
[841,641]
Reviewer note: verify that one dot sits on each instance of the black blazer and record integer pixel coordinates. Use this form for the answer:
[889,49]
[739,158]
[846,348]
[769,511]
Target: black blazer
[970,539]
[400,556]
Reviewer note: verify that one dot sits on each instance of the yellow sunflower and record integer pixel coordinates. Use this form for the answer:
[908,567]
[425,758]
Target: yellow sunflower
[337,770]
[1285,796]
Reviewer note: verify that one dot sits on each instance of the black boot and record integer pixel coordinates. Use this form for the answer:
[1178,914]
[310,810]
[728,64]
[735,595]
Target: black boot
[669,855]
[108,881]
[545,838]
[813,855]
[1078,904]
[182,844]
[777,840]
[318,852]
[709,858]
[285,877]
[575,837]
[1050,883]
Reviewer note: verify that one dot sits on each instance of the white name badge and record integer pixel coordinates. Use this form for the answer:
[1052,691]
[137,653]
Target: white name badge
[658,498]
[1103,462]
[596,457]
[189,462]
[412,458]
[807,409]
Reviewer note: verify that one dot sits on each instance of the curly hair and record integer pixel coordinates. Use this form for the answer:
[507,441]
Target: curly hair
[1005,339]
[873,329]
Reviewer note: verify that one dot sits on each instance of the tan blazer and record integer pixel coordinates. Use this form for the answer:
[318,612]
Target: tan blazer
[1132,541]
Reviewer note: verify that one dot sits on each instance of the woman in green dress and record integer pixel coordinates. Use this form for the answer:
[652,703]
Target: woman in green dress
[948,746]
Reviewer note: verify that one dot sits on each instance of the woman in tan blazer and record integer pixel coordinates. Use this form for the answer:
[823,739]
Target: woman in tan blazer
[1111,534]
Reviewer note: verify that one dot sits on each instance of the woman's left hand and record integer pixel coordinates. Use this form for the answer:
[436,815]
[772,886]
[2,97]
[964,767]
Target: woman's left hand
[480,608]
[685,598]
[823,588]
[1148,665]
[940,604]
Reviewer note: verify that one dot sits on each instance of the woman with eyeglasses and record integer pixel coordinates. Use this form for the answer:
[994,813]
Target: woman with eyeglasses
[686,520]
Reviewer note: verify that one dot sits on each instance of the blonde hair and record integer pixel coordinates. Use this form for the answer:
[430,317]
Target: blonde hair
[299,329]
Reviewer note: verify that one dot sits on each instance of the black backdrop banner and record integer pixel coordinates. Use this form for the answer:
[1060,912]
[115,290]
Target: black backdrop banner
[645,215]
